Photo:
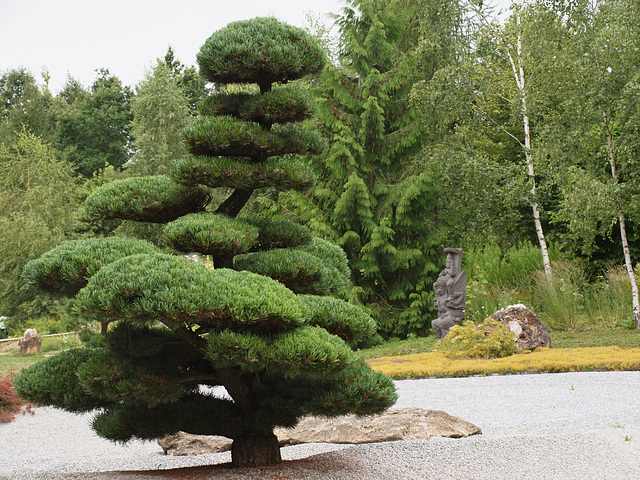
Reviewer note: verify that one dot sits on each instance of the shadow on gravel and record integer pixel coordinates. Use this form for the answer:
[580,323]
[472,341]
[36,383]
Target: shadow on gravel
[308,468]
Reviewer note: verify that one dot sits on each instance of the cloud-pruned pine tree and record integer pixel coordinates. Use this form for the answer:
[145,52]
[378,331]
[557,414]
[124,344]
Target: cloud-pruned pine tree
[271,339]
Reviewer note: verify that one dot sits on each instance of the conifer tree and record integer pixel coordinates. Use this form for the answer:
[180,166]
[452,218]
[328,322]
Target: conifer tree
[272,339]
[379,201]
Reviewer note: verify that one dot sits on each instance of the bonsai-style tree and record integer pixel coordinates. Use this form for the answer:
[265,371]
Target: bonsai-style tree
[261,324]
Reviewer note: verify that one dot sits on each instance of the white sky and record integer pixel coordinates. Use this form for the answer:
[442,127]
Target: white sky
[76,37]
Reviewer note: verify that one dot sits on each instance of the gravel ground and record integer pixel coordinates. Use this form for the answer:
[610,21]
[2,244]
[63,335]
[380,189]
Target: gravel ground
[549,426]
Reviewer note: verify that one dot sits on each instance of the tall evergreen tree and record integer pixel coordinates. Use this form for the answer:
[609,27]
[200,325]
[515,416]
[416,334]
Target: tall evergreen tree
[378,200]
[277,345]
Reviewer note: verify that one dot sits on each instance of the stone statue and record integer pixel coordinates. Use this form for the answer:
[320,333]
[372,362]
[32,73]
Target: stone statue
[451,293]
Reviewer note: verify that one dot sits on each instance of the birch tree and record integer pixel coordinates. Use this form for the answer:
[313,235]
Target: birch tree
[600,105]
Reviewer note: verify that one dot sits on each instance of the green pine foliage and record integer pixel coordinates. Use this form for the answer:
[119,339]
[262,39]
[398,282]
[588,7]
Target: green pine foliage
[68,267]
[211,234]
[156,199]
[230,136]
[275,53]
[350,322]
[218,172]
[178,327]
[280,233]
[300,271]
[277,106]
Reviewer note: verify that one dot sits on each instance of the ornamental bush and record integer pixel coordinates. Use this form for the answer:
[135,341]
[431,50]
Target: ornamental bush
[178,327]
[490,339]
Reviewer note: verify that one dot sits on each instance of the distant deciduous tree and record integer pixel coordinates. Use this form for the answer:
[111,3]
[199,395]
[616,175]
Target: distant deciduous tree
[93,126]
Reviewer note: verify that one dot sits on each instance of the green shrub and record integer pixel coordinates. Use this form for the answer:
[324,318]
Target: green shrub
[68,267]
[211,234]
[277,106]
[276,52]
[280,233]
[490,339]
[217,172]
[54,381]
[349,322]
[155,199]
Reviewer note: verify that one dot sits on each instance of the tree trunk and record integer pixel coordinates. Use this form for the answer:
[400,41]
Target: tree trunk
[635,297]
[255,451]
[519,77]
[232,205]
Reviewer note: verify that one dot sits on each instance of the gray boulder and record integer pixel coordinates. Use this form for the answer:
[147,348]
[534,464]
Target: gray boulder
[398,424]
[532,333]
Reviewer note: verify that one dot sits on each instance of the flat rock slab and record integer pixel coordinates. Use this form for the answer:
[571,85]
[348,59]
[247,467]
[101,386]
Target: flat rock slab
[398,424]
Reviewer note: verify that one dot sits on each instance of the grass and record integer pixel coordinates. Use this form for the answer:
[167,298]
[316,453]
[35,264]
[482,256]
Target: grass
[13,362]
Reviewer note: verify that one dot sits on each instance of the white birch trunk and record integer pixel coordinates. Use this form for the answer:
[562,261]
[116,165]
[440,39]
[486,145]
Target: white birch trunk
[518,74]
[623,229]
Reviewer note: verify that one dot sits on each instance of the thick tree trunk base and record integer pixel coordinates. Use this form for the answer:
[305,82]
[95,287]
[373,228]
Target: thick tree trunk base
[255,451]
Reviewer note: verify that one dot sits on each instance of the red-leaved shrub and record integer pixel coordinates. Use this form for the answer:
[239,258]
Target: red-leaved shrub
[10,402]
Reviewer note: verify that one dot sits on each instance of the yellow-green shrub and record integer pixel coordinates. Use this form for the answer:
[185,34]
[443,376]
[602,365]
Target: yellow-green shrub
[490,339]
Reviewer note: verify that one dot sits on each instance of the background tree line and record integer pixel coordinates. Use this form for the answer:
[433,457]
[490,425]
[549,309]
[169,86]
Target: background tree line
[443,127]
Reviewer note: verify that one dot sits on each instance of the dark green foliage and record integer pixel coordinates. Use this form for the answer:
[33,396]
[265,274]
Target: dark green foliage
[211,234]
[261,51]
[24,108]
[375,195]
[145,288]
[93,126]
[197,413]
[242,350]
[276,106]
[230,136]
[229,172]
[106,376]
[280,234]
[350,322]
[68,267]
[317,268]
[145,199]
[334,260]
[301,271]
[54,381]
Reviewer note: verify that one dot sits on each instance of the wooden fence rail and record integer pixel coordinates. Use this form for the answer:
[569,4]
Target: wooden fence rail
[15,339]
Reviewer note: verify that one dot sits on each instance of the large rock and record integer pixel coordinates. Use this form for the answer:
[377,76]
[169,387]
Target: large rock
[532,333]
[31,343]
[397,424]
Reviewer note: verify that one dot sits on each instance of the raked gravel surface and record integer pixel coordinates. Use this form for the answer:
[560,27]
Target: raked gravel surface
[578,426]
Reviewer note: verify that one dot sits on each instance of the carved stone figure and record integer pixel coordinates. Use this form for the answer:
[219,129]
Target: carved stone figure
[451,293]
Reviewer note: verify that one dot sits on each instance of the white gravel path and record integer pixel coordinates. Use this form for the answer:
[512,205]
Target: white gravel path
[549,426]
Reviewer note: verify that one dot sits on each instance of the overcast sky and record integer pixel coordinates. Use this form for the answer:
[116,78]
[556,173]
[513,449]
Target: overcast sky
[76,37]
